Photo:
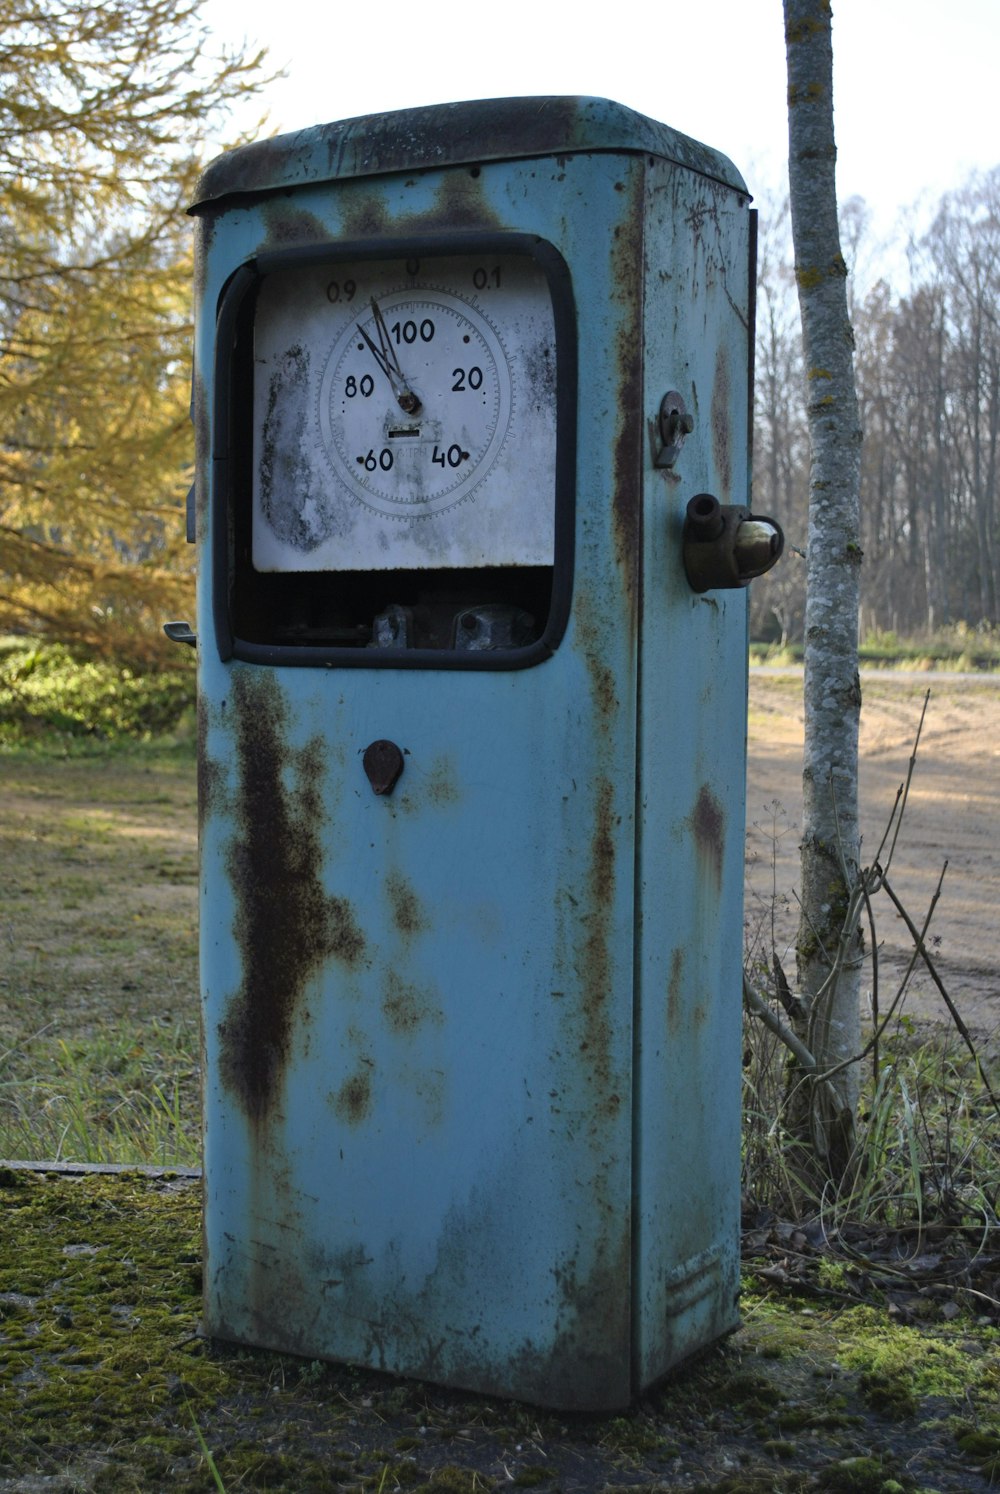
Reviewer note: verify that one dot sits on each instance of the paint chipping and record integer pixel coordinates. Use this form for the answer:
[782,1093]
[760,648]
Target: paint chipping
[286,925]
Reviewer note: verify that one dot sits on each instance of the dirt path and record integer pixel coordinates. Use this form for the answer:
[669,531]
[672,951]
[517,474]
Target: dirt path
[953,815]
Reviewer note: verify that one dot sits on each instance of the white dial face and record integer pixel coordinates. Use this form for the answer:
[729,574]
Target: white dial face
[416,402]
[404,415]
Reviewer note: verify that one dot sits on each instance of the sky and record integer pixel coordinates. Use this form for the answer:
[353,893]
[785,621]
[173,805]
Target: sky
[915,81]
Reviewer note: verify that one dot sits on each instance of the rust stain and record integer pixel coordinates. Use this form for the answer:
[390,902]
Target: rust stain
[595,975]
[287,225]
[627,275]
[675,994]
[407,1007]
[603,685]
[602,680]
[708,821]
[462,203]
[589,1356]
[353,1099]
[441,786]
[722,418]
[583,1362]
[286,924]
[365,214]
[210,775]
[408,914]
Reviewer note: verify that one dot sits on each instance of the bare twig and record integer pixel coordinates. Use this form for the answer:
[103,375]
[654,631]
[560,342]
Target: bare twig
[901,990]
[874,956]
[759,1006]
[906,790]
[922,951]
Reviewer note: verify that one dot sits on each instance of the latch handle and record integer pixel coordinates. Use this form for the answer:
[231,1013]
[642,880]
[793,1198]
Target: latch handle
[180,632]
[726,546]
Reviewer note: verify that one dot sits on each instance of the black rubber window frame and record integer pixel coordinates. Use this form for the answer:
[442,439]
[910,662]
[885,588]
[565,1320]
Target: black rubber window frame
[232,432]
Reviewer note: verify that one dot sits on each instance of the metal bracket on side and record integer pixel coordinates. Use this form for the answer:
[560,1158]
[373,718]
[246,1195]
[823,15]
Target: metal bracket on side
[673,423]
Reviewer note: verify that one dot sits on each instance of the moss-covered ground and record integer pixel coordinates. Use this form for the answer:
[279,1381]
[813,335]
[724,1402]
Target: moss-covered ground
[107,1385]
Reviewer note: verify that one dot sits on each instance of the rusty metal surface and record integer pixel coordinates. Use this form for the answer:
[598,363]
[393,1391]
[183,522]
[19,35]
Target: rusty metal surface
[690,868]
[476,132]
[464,1040]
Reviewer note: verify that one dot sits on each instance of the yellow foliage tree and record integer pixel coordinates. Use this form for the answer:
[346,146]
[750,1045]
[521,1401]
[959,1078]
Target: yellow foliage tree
[102,110]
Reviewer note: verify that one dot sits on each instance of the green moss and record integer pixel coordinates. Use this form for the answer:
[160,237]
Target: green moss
[901,1355]
[891,1394]
[753,1393]
[809,93]
[453,1480]
[808,279]
[103,1374]
[983,1445]
[632,1435]
[761,1481]
[832,1273]
[863,1476]
[96,1341]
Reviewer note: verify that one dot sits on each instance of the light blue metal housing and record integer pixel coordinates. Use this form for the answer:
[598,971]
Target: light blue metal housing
[472,1047]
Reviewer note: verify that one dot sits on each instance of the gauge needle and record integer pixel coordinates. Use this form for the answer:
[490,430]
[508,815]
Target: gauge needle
[387,361]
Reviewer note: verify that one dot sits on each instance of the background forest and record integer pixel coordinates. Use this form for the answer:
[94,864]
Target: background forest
[103,109]
[928,374]
[102,114]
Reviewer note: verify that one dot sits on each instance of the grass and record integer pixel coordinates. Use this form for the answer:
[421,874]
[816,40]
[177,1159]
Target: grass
[99,1037]
[960,649]
[129,1096]
[928,1152]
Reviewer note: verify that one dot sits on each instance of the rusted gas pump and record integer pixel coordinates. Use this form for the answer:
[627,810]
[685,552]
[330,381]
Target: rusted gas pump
[472,752]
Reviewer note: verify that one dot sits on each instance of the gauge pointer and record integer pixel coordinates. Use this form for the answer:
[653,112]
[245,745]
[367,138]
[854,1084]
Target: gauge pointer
[387,361]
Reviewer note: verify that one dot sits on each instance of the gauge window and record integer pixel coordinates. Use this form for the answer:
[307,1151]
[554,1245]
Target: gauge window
[404,452]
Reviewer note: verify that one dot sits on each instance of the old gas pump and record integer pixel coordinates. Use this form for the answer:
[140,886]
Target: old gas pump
[472,512]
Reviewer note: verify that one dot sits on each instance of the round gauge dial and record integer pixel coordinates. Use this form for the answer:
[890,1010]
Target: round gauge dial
[415,402]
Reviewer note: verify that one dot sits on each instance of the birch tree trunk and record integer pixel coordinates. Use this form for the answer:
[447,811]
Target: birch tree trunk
[823,1108]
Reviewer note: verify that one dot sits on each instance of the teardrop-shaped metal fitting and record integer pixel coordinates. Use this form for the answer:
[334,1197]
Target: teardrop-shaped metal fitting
[383,763]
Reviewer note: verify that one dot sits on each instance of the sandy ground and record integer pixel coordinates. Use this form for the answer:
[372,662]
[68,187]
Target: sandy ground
[953,816]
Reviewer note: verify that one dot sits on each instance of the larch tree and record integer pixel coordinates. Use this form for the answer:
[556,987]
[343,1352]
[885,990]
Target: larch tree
[828,949]
[104,105]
